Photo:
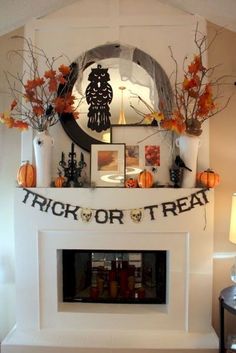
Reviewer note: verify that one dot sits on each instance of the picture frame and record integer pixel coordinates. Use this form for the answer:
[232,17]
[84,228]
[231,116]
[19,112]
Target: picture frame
[107,165]
[147,147]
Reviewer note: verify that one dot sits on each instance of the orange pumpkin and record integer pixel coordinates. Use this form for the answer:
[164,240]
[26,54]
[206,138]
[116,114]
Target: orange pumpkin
[145,179]
[131,183]
[59,181]
[208,178]
[26,175]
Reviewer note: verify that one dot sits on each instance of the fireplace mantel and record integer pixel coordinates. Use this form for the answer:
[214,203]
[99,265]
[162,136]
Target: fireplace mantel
[184,228]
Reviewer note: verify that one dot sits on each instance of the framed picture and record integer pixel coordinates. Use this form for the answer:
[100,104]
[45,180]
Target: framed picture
[147,147]
[108,165]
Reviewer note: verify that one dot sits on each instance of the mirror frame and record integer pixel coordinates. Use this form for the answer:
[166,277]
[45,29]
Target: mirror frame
[106,51]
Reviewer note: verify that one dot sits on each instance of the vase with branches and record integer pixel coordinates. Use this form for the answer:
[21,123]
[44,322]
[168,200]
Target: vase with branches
[39,96]
[197,97]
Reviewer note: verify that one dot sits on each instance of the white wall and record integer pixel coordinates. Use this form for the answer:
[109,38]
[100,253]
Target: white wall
[9,162]
[9,159]
[223,159]
[71,31]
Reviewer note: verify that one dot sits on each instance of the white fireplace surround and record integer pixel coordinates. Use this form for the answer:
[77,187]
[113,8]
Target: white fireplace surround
[45,324]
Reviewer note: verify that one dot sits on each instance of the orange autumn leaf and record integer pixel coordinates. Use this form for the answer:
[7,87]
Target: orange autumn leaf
[61,79]
[179,128]
[30,97]
[154,116]
[68,109]
[191,83]
[6,119]
[205,103]
[64,69]
[32,84]
[174,125]
[60,105]
[157,116]
[50,74]
[10,122]
[196,65]
[167,124]
[39,81]
[64,104]
[13,104]
[179,123]
[52,86]
[21,125]
[38,110]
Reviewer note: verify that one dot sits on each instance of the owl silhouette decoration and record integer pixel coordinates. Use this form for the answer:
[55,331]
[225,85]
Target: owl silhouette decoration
[99,95]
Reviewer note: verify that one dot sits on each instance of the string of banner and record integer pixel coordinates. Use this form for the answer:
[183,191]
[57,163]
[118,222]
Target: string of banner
[102,216]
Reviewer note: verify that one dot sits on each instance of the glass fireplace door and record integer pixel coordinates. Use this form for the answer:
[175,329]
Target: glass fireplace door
[114,276]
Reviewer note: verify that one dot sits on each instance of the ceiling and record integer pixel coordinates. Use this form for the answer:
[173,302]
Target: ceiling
[220,12]
[15,13]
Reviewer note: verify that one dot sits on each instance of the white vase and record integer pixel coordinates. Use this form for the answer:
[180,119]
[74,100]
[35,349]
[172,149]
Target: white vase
[188,151]
[43,144]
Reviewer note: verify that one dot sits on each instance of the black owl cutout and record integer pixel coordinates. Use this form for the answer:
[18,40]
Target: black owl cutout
[99,96]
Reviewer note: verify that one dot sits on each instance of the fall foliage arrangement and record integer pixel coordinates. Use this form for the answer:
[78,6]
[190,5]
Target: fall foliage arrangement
[38,98]
[197,97]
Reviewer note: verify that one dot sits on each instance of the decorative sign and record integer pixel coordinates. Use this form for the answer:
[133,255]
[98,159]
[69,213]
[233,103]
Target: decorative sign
[102,216]
[99,96]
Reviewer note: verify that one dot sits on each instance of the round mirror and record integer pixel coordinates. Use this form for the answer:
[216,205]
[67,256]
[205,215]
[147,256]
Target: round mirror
[132,73]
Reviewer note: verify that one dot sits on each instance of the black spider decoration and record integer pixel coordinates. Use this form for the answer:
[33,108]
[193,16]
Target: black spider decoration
[99,96]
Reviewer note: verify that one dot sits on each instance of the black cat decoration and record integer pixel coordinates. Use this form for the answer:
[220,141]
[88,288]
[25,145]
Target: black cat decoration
[99,96]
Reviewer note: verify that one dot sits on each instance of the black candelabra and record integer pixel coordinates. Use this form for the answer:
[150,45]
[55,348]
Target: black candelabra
[72,168]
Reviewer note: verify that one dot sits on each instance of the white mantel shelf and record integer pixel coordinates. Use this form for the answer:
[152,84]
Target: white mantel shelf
[45,324]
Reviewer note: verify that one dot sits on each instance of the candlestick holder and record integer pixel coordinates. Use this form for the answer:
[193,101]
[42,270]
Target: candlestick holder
[72,168]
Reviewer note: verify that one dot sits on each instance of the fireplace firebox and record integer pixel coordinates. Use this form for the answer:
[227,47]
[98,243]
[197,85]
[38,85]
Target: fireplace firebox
[114,276]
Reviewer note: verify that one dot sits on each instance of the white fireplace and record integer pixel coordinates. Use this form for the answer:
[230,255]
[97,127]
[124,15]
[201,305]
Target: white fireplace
[46,324]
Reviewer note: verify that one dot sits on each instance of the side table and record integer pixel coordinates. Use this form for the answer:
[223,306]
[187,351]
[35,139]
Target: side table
[227,301]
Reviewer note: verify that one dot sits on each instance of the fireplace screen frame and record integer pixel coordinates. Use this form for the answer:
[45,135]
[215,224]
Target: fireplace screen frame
[70,292]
